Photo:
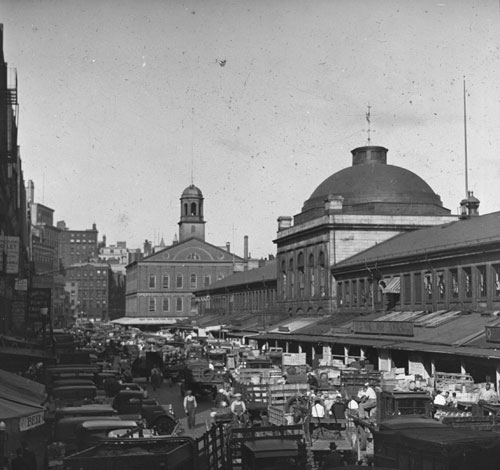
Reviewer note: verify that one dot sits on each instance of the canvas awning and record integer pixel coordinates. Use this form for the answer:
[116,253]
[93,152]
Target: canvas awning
[393,287]
[128,321]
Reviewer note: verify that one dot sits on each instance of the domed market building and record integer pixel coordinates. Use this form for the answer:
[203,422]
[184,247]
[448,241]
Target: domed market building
[350,211]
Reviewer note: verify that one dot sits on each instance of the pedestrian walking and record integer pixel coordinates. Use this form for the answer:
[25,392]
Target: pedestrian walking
[190,405]
[155,378]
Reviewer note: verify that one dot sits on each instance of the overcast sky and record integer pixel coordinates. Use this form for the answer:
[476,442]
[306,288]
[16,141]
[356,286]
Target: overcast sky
[122,102]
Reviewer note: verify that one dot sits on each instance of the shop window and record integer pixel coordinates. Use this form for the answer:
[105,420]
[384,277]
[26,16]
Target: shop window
[407,289]
[440,284]
[454,283]
[428,286]
[481,280]
[496,279]
[417,287]
[467,277]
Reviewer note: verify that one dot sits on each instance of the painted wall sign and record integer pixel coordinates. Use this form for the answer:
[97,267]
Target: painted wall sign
[401,328]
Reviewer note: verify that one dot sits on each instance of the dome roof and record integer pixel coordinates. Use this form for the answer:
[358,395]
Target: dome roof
[371,186]
[192,191]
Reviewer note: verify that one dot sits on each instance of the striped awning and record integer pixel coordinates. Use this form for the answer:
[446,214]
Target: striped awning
[393,287]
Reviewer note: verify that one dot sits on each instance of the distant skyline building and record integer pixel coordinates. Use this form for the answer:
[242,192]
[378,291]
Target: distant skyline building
[77,246]
[88,285]
[46,267]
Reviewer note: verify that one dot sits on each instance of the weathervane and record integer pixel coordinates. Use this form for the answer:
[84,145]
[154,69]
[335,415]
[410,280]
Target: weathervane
[368,120]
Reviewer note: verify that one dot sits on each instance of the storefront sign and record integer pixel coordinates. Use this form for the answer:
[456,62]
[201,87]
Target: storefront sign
[400,328]
[9,248]
[30,422]
[39,299]
[492,334]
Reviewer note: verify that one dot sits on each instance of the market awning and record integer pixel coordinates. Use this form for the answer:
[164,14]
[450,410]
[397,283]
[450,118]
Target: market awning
[393,287]
[29,415]
[147,320]
[23,389]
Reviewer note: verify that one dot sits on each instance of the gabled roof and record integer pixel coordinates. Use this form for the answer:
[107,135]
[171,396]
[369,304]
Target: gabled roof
[475,231]
[266,273]
[184,251]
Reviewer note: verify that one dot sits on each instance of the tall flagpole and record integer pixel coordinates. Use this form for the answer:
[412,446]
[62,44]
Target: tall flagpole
[465,143]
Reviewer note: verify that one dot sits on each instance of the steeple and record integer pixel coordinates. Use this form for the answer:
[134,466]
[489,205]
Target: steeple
[191,224]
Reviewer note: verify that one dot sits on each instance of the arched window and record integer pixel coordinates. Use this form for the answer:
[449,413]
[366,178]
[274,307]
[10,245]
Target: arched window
[312,280]
[166,282]
[193,208]
[283,279]
[300,270]
[192,281]
[185,209]
[322,274]
[179,281]
[291,278]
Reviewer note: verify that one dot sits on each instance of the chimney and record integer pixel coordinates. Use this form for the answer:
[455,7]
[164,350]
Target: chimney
[30,192]
[469,207]
[228,247]
[147,247]
[245,247]
[284,221]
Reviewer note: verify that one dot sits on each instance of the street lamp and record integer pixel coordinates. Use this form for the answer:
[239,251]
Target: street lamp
[3,438]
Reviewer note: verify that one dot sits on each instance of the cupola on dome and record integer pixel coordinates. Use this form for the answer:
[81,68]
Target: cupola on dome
[371,186]
[192,191]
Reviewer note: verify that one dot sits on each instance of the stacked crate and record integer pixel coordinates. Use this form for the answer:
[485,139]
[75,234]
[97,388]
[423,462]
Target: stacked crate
[278,396]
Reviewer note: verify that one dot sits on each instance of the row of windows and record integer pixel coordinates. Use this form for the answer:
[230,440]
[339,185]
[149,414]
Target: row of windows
[253,300]
[165,304]
[445,285]
[179,281]
[301,281]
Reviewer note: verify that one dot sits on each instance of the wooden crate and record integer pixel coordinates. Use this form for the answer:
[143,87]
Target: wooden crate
[294,359]
[279,394]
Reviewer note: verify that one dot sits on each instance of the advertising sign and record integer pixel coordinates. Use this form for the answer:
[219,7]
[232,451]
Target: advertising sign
[32,421]
[401,328]
[39,299]
[9,249]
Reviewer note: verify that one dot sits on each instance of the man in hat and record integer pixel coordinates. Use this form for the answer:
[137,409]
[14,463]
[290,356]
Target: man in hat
[238,409]
[368,400]
[333,459]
